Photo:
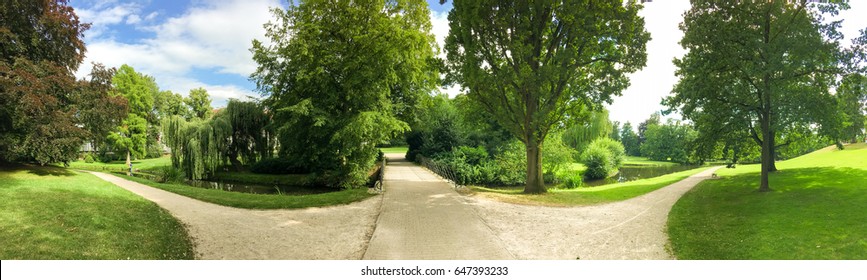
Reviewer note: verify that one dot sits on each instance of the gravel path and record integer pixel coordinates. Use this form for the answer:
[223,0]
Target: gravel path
[219,232]
[633,229]
[424,218]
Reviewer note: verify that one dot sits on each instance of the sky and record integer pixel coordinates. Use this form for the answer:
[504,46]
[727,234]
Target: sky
[187,44]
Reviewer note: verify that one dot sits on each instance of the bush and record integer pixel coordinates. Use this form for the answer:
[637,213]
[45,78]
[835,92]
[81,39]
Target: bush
[572,180]
[278,166]
[602,157]
[169,174]
[88,158]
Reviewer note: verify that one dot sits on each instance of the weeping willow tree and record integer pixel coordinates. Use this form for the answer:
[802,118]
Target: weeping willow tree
[201,147]
[253,138]
[596,126]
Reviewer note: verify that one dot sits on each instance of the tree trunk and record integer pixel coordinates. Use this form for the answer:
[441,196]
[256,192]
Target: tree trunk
[535,182]
[773,153]
[128,165]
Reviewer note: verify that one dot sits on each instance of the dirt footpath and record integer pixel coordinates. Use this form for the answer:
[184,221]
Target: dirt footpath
[633,229]
[219,232]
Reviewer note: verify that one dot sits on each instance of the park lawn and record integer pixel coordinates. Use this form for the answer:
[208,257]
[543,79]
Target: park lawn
[643,161]
[149,164]
[259,201]
[401,150]
[56,213]
[586,196]
[816,210]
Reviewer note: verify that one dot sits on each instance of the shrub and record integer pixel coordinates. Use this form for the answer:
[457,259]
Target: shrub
[572,180]
[169,174]
[602,157]
[88,158]
[278,166]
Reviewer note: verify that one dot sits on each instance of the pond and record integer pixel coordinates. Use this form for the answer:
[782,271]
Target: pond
[632,173]
[258,189]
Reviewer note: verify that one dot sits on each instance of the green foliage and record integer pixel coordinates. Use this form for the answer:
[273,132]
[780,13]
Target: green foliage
[852,107]
[751,68]
[278,166]
[671,141]
[168,103]
[88,158]
[630,140]
[530,66]
[596,126]
[138,89]
[252,137]
[199,103]
[573,180]
[338,84]
[131,136]
[603,157]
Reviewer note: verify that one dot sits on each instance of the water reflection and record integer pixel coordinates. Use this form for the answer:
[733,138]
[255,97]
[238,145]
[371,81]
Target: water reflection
[257,189]
[632,173]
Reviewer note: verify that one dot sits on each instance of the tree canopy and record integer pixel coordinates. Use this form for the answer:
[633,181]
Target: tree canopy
[40,45]
[199,103]
[335,82]
[755,66]
[533,64]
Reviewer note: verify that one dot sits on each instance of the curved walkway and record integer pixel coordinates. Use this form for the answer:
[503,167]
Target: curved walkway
[632,229]
[219,232]
[422,217]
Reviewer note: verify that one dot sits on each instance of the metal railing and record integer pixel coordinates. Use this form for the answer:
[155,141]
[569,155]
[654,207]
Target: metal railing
[444,171]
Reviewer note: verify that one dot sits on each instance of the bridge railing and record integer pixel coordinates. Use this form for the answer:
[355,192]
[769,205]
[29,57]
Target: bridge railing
[446,172]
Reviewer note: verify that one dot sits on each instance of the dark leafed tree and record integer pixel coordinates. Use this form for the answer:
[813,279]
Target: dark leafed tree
[758,67]
[533,63]
[100,108]
[336,75]
[40,47]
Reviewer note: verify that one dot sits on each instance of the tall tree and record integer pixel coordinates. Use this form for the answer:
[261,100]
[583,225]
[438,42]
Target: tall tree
[40,46]
[100,108]
[629,140]
[654,119]
[334,81]
[200,103]
[139,90]
[532,64]
[852,103]
[615,131]
[753,65]
[168,103]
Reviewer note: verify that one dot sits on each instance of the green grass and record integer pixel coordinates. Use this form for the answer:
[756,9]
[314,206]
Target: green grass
[394,150]
[643,161]
[259,201]
[142,164]
[55,213]
[816,210]
[586,196]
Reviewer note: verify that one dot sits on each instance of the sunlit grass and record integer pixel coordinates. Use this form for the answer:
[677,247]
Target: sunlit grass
[401,150]
[142,164]
[816,210]
[55,213]
[586,196]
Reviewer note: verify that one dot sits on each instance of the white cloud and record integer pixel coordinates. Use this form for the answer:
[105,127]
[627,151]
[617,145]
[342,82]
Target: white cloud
[440,29]
[213,36]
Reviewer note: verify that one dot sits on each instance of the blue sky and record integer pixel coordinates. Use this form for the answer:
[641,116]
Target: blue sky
[186,44]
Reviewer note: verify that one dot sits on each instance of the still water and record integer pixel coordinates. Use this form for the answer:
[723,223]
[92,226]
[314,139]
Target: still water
[258,189]
[632,173]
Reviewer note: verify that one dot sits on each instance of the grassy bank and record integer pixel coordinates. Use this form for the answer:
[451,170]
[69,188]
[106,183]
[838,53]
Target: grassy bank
[401,150]
[815,211]
[142,164]
[259,201]
[55,213]
[586,196]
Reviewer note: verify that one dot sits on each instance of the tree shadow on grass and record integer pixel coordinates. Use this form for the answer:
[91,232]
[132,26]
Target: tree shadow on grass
[48,171]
